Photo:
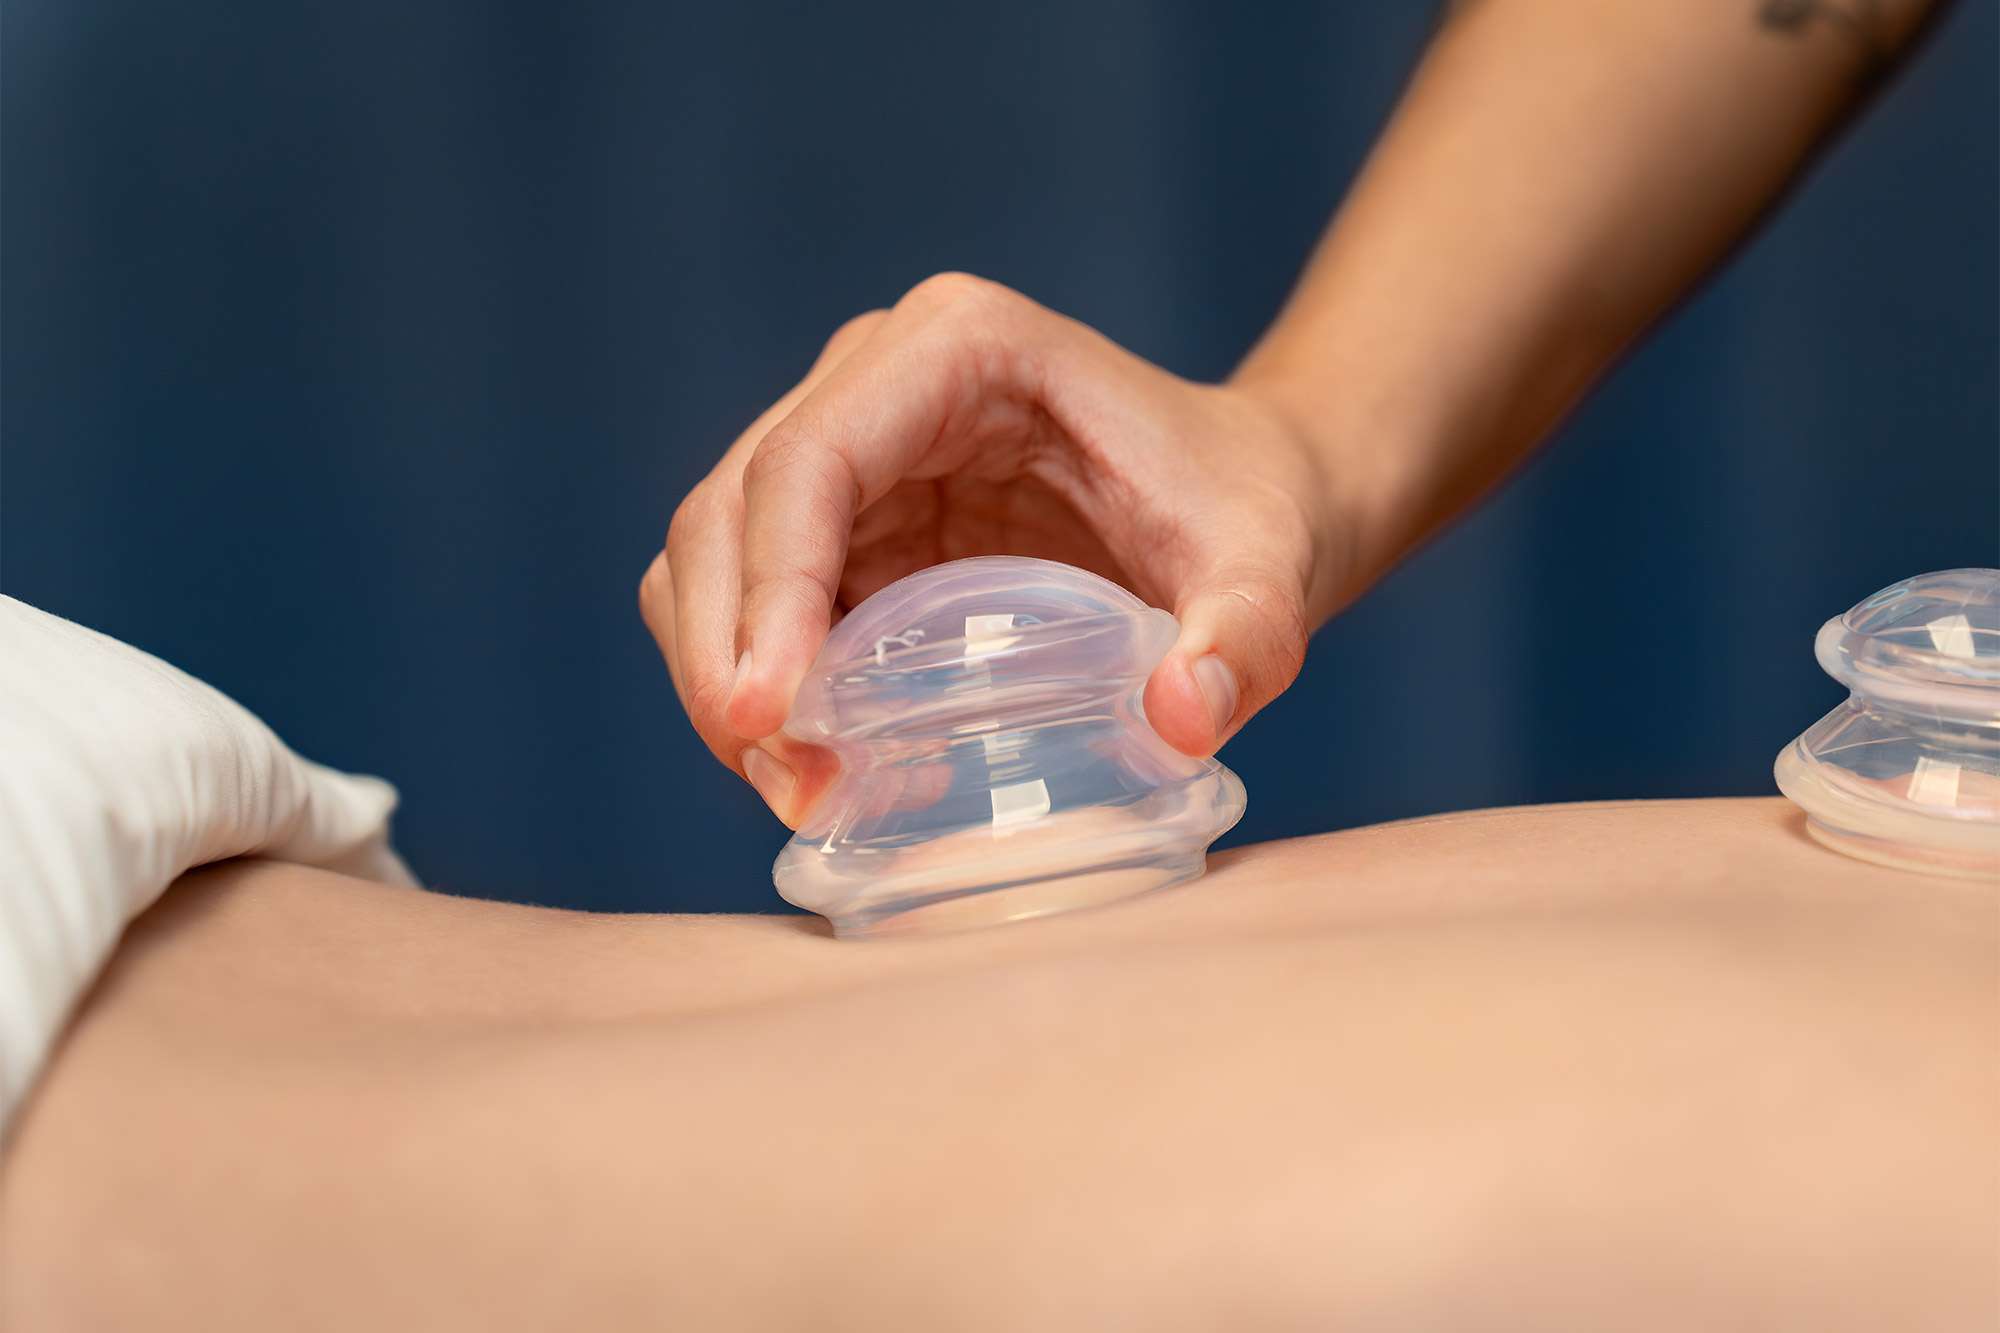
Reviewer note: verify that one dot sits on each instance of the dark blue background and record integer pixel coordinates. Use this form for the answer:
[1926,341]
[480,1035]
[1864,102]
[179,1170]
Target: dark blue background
[355,356]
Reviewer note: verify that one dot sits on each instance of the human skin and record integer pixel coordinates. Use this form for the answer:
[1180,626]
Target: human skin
[1656,1065]
[1557,174]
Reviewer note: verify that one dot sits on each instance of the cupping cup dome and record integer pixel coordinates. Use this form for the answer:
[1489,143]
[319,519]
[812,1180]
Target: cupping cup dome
[995,763]
[1907,771]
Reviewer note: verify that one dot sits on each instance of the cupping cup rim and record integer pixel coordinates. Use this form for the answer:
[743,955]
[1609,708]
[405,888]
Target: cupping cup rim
[859,675]
[1100,851]
[1880,669]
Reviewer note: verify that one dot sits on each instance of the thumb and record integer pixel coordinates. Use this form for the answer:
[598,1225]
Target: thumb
[1243,640]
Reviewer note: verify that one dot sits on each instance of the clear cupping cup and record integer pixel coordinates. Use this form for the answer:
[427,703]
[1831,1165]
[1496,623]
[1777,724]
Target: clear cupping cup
[1907,771]
[995,762]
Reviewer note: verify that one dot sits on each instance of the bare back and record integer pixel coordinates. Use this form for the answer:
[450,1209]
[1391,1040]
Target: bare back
[1639,1065]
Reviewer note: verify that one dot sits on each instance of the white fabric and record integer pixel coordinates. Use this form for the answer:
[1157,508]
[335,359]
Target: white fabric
[118,773]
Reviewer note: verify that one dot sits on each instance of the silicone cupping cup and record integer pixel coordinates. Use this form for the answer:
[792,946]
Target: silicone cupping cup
[995,760]
[1907,771]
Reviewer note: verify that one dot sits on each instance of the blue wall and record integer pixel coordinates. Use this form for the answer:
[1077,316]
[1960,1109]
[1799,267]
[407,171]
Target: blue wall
[355,356]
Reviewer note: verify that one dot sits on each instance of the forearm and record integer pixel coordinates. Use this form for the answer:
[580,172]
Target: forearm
[1559,172]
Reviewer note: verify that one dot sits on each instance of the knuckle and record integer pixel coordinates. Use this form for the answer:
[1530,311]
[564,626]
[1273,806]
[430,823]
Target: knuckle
[656,589]
[1286,624]
[959,291]
[707,697]
[974,327]
[1279,612]
[786,449]
[1290,637]
[791,457]
[695,513]
[852,333]
[679,532]
[793,590]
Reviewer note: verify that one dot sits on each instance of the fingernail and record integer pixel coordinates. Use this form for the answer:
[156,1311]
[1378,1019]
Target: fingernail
[1218,690]
[772,779]
[742,674]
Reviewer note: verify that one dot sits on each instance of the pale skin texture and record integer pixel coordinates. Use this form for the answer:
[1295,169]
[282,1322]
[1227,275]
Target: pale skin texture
[1636,1066]
[1558,173]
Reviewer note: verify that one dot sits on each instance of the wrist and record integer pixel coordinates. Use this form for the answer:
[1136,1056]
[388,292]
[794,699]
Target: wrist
[1365,469]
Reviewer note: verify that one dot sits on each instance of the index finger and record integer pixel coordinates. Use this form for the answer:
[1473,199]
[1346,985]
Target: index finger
[923,379]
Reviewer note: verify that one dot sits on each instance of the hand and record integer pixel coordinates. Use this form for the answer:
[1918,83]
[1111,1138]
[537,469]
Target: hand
[966,421]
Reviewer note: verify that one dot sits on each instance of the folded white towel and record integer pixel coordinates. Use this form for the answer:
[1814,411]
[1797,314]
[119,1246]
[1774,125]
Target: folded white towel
[117,774]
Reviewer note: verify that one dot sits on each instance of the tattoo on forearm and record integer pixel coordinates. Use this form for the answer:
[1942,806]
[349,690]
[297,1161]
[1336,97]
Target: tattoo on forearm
[1861,20]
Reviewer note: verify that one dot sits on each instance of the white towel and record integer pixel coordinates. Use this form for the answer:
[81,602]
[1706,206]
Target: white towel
[117,774]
